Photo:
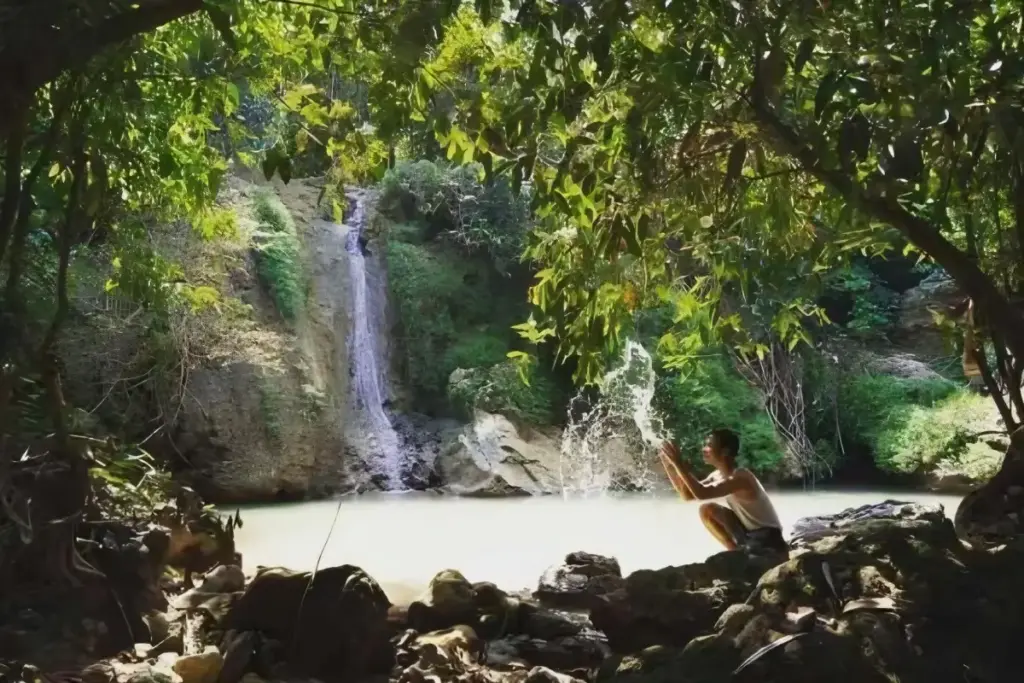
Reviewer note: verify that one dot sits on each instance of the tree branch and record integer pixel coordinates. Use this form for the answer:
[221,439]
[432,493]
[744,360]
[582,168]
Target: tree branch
[25,67]
[920,232]
[12,179]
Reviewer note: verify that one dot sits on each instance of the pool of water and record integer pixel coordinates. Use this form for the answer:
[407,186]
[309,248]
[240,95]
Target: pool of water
[402,540]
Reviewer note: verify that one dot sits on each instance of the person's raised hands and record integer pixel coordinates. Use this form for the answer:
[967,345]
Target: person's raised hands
[670,450]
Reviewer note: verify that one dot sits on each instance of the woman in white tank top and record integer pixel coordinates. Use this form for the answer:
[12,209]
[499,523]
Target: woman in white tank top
[748,518]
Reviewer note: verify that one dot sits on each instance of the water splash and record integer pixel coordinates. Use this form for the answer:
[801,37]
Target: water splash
[369,387]
[610,444]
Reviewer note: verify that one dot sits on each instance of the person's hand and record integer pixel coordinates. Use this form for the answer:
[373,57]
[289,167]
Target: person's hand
[671,451]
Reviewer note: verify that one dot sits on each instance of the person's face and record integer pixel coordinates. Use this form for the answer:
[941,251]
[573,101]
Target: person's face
[711,451]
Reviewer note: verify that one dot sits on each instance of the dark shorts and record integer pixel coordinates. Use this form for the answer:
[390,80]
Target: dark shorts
[767,538]
[763,539]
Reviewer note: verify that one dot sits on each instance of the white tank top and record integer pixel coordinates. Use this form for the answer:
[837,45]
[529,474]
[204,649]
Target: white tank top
[754,513]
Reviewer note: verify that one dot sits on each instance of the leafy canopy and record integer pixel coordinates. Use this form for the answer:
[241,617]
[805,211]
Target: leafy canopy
[719,156]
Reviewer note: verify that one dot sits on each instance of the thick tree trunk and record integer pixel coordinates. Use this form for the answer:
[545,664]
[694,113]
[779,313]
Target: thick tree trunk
[43,41]
[994,513]
[12,178]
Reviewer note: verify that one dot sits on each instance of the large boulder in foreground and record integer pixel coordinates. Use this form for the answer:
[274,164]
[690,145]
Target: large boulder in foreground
[459,655]
[674,605]
[578,581]
[333,626]
[873,594]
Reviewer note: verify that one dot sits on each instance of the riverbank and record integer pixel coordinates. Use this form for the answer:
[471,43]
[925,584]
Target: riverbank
[878,593]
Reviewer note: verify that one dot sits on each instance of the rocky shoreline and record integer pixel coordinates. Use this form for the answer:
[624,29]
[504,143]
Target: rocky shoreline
[880,593]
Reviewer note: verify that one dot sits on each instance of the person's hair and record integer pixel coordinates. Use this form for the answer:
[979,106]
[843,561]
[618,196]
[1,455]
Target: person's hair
[727,440]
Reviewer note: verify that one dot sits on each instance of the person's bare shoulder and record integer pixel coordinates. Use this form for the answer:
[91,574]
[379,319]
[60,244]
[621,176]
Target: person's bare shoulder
[748,479]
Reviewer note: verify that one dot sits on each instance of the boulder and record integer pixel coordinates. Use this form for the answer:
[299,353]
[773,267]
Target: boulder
[334,623]
[451,600]
[993,514]
[578,580]
[915,327]
[674,605]
[910,515]
[545,624]
[494,457]
[200,668]
[874,594]
[458,655]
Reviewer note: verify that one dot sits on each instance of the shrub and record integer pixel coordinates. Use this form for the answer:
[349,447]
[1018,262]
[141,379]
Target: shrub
[452,199]
[712,395]
[279,261]
[872,304]
[500,389]
[870,404]
[429,292]
[918,426]
[476,350]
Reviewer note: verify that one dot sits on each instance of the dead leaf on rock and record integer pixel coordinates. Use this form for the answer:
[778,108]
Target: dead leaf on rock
[882,604]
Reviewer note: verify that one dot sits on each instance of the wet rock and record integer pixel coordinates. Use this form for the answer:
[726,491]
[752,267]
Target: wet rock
[451,600]
[239,652]
[224,579]
[99,672]
[147,673]
[993,514]
[567,654]
[541,674]
[671,606]
[545,624]
[578,580]
[448,600]
[454,654]
[872,594]
[158,625]
[808,530]
[201,668]
[336,620]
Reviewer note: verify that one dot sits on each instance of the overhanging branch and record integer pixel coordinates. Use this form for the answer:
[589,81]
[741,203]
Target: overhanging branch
[40,52]
[920,232]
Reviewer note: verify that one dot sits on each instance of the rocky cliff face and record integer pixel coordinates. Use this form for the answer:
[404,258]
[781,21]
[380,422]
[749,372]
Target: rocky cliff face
[299,396]
[249,408]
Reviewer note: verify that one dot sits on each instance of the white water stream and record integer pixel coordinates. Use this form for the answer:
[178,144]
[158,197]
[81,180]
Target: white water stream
[366,352]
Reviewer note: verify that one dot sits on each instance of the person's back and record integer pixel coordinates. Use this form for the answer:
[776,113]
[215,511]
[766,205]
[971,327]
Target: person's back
[754,509]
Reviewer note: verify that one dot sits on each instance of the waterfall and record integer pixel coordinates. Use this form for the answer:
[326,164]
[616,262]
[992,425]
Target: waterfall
[366,351]
[609,445]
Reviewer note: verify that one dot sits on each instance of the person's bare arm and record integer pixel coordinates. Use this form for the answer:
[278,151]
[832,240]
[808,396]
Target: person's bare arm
[673,472]
[696,488]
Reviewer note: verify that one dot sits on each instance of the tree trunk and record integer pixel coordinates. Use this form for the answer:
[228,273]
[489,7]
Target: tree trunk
[50,41]
[12,179]
[993,514]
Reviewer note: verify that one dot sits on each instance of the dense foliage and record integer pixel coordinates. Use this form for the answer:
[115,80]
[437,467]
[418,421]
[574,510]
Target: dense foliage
[458,289]
[727,161]
[279,256]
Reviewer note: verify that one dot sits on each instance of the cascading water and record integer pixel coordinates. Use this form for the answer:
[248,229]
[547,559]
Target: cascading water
[369,387]
[608,445]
